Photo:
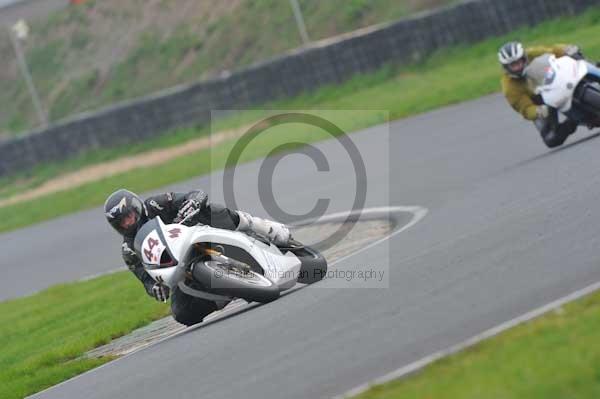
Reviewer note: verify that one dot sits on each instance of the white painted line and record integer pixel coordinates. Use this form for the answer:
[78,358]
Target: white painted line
[111,271]
[376,211]
[80,280]
[418,213]
[419,364]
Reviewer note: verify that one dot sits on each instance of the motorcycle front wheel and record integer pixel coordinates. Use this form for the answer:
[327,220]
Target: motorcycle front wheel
[224,279]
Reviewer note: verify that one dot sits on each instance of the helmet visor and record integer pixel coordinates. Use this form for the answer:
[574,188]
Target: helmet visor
[517,66]
[129,220]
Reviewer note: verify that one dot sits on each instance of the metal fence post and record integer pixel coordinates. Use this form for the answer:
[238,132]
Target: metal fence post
[16,33]
[300,21]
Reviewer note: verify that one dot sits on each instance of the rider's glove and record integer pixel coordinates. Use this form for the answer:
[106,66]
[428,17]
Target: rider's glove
[160,292]
[573,51]
[129,256]
[188,208]
[542,111]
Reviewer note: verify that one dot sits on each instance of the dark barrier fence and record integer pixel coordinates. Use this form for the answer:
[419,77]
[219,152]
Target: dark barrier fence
[326,62]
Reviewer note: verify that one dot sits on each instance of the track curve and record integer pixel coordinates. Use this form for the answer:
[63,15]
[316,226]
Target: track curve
[511,226]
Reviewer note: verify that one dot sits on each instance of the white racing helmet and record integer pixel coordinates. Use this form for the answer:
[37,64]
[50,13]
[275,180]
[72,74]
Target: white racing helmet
[513,58]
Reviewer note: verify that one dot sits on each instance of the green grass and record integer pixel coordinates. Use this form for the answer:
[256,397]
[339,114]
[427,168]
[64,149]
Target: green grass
[43,336]
[555,356]
[448,76]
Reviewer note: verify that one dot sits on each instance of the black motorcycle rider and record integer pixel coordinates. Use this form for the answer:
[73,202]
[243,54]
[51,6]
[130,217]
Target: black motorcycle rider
[126,213]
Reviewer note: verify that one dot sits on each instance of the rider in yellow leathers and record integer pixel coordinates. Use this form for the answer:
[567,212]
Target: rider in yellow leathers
[514,59]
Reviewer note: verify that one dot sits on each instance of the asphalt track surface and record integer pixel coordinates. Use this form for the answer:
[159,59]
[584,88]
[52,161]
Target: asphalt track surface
[511,226]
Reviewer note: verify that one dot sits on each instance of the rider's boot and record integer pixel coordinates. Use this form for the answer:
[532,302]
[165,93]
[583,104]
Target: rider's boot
[567,127]
[277,233]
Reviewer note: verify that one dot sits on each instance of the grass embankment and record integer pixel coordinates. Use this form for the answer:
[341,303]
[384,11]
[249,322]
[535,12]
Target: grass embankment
[106,51]
[554,356]
[446,77]
[43,336]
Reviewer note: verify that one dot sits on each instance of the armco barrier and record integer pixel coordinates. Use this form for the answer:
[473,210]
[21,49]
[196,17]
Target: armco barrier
[328,61]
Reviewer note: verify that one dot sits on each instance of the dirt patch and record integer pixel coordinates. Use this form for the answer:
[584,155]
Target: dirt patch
[120,165]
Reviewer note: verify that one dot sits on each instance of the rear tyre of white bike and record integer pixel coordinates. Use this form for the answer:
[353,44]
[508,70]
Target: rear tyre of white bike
[313,265]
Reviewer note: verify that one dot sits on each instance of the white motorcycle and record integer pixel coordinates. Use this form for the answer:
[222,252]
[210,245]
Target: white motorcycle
[570,86]
[220,265]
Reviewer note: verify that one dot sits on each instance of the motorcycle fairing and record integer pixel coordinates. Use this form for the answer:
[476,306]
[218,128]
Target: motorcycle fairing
[177,240]
[561,77]
[282,269]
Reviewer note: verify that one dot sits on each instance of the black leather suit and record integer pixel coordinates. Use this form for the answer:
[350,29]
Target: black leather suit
[185,308]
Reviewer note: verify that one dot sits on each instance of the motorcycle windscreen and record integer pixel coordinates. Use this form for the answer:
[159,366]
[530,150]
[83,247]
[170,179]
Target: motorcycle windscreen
[537,70]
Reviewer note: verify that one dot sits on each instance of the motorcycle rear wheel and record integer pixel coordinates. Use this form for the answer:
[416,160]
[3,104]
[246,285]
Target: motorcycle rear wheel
[313,265]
